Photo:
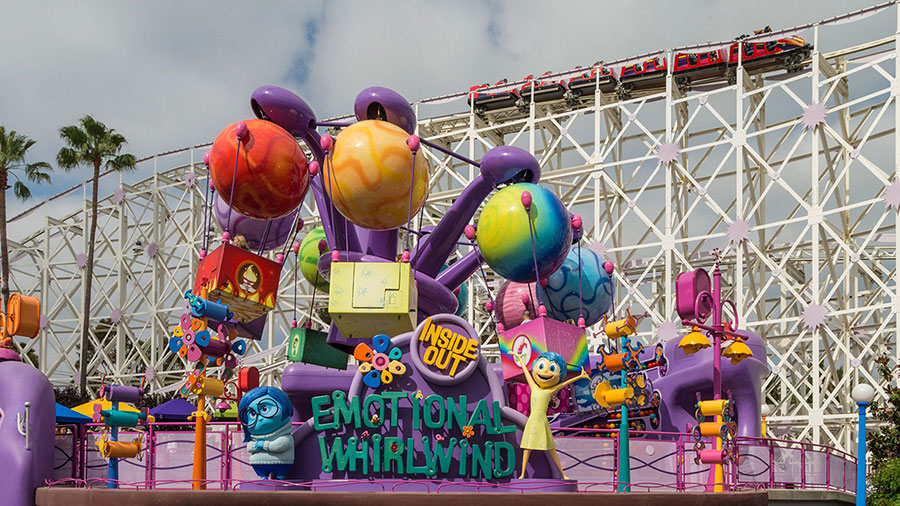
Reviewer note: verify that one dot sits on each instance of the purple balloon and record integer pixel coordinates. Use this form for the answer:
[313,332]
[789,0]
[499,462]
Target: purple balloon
[254,230]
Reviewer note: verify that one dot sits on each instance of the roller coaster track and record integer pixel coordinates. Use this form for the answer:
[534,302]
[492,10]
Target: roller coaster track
[796,204]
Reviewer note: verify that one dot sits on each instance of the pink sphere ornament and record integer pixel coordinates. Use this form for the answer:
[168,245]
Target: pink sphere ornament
[576,221]
[526,199]
[206,159]
[323,246]
[470,232]
[544,282]
[489,306]
[241,130]
[413,142]
[335,256]
[542,311]
[300,224]
[609,267]
[581,322]
[295,248]
[279,258]
[404,257]
[202,254]
[313,168]
[293,324]
[226,237]
[326,142]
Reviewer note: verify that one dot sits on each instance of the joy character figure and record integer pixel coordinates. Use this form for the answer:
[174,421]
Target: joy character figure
[544,381]
[265,413]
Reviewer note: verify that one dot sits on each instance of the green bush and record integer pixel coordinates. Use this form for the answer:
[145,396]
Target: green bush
[886,484]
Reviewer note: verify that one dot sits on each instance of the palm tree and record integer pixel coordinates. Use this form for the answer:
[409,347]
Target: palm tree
[91,143]
[13,148]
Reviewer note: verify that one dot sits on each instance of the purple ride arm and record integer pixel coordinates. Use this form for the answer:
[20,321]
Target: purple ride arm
[292,113]
[380,243]
[499,165]
[460,271]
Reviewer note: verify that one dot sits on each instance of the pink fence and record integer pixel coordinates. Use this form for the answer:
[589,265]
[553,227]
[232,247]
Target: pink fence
[659,461]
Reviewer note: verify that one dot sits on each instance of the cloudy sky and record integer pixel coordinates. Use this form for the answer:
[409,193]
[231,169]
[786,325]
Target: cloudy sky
[173,74]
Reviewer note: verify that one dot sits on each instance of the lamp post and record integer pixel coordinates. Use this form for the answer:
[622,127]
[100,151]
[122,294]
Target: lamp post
[697,301]
[765,410]
[862,394]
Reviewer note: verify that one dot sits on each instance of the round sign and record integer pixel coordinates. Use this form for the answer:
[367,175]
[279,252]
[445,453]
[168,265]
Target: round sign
[522,346]
[445,349]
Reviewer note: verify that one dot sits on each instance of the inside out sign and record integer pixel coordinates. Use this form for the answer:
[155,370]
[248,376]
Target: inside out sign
[445,348]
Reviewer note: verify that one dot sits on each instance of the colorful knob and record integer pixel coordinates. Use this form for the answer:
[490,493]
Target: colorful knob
[608,267]
[413,142]
[313,168]
[526,199]
[241,130]
[470,232]
[327,142]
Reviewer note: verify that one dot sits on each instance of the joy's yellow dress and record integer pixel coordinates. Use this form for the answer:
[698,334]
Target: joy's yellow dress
[537,435]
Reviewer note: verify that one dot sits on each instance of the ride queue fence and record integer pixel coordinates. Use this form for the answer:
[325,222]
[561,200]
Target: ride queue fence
[659,461]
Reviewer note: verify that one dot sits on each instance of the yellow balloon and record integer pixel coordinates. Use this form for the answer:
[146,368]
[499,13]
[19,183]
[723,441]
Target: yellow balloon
[370,174]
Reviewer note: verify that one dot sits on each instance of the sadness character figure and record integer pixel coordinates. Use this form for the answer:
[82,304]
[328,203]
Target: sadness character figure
[265,413]
[544,380]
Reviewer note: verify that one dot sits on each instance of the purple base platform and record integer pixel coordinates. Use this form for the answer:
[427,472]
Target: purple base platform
[518,486]
[274,485]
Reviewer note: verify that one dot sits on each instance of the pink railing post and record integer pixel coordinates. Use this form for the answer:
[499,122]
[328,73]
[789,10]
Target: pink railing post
[616,473]
[679,465]
[802,465]
[827,468]
[771,445]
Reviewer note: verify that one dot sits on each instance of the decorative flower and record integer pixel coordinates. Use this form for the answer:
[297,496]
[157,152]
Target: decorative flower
[667,153]
[118,196]
[152,249]
[394,447]
[364,435]
[379,365]
[116,315]
[468,431]
[375,419]
[80,260]
[438,437]
[418,394]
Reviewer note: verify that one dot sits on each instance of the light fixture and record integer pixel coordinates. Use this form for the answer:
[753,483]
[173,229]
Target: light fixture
[863,393]
[737,351]
[694,341]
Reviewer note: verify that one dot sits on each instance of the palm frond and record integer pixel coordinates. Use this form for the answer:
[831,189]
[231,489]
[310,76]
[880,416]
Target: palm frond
[122,162]
[68,159]
[21,191]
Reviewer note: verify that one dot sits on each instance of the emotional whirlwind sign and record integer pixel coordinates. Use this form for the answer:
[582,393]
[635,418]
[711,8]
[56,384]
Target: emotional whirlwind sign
[422,455]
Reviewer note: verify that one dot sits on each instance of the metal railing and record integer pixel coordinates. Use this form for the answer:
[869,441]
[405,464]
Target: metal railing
[659,461]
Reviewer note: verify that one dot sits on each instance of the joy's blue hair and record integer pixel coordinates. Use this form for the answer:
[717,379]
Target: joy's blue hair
[284,403]
[557,359]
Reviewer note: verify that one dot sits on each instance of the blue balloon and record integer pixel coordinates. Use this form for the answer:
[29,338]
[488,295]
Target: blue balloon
[561,293]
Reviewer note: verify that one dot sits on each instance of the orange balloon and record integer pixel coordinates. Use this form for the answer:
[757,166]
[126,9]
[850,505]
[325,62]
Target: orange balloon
[372,168]
[271,178]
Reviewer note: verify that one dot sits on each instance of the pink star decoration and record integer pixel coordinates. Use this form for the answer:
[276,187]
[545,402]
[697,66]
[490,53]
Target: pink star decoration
[667,331]
[738,231]
[44,321]
[892,195]
[667,153]
[149,373]
[814,115]
[118,195]
[116,315]
[81,260]
[814,315]
[598,248]
[152,249]
[190,179]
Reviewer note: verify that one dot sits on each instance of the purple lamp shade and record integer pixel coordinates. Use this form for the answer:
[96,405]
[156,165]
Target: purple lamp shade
[254,230]
[387,105]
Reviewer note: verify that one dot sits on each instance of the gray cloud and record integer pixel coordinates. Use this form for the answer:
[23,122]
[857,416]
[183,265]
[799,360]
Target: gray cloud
[169,75]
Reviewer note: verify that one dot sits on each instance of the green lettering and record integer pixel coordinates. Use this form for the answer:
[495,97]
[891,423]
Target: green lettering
[411,467]
[463,456]
[504,447]
[442,456]
[318,414]
[393,397]
[416,414]
[354,453]
[458,412]
[338,452]
[481,461]
[481,417]
[346,413]
[391,455]
[367,412]
[499,428]
[430,422]
[376,453]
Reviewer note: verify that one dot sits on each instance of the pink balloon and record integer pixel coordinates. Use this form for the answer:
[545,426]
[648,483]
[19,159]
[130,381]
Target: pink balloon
[510,304]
